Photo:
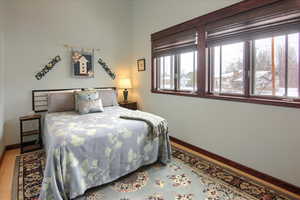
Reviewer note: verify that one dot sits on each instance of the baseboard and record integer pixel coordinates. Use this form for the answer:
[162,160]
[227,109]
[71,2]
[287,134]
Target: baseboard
[2,156]
[270,179]
[12,146]
[17,146]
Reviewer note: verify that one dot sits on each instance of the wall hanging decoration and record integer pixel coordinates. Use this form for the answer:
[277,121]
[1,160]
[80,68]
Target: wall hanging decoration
[83,64]
[141,64]
[71,47]
[48,67]
[107,69]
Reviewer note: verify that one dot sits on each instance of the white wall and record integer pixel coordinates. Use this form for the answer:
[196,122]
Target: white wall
[265,138]
[36,32]
[1,76]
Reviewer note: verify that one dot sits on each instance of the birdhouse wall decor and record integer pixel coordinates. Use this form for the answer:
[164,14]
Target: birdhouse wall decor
[83,64]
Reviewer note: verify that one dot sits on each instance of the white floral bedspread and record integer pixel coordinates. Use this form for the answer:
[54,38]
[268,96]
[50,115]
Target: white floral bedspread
[84,151]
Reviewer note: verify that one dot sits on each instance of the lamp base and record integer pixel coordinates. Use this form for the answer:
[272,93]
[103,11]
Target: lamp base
[125,94]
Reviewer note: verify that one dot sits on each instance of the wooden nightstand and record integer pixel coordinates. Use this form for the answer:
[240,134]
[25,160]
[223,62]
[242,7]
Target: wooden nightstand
[30,145]
[129,104]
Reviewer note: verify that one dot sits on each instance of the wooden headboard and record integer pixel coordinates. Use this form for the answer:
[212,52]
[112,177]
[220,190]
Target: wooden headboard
[40,97]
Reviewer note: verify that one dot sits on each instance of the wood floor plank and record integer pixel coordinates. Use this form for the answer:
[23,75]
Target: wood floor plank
[6,173]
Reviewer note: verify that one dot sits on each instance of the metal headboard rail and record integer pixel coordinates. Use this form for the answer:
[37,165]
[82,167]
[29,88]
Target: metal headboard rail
[40,97]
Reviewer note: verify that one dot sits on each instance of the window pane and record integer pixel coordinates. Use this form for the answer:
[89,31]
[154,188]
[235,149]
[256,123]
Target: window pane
[269,65]
[232,80]
[155,73]
[161,72]
[195,70]
[166,66]
[187,71]
[168,71]
[293,65]
[215,69]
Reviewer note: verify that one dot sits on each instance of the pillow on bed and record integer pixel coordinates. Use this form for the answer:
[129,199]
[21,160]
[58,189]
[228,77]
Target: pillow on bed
[86,95]
[86,106]
[108,97]
[61,101]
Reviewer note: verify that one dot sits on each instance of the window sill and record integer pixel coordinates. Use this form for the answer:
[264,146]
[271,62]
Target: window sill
[255,100]
[179,93]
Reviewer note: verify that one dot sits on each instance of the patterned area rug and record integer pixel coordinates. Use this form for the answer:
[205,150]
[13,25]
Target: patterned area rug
[187,177]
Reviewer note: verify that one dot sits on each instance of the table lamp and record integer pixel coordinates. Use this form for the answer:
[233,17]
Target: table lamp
[125,84]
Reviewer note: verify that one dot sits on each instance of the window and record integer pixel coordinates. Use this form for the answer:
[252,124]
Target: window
[166,72]
[269,72]
[293,65]
[175,63]
[228,68]
[177,72]
[254,56]
[187,71]
[275,67]
[247,52]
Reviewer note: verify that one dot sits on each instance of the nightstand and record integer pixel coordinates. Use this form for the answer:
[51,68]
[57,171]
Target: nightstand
[129,104]
[30,145]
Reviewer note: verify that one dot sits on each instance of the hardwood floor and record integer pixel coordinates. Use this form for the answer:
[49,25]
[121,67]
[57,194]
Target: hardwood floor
[6,173]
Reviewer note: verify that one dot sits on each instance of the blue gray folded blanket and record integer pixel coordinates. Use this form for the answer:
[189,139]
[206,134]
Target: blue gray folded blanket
[158,124]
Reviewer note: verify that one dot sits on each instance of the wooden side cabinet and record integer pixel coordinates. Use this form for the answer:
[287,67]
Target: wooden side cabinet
[129,105]
[27,146]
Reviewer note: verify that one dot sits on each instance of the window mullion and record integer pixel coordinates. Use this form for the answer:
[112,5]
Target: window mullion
[247,63]
[273,68]
[176,72]
[299,65]
[194,70]
[172,72]
[210,73]
[158,72]
[153,73]
[252,76]
[201,65]
[286,67]
[220,78]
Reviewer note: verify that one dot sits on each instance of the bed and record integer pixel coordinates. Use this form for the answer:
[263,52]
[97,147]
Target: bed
[85,151]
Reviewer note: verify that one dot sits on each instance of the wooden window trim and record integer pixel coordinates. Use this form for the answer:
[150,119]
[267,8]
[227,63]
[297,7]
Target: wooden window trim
[247,68]
[234,98]
[286,63]
[295,99]
[175,60]
[299,67]
[229,11]
[201,71]
[203,83]
[173,92]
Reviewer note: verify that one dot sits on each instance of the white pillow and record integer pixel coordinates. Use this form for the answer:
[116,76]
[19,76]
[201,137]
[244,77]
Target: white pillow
[85,94]
[108,97]
[86,106]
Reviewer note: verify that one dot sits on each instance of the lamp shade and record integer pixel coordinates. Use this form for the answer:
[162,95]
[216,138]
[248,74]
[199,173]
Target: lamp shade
[125,83]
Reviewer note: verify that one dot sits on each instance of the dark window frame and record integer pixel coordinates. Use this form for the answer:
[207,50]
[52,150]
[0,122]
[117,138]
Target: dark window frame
[210,57]
[249,74]
[176,75]
[203,81]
